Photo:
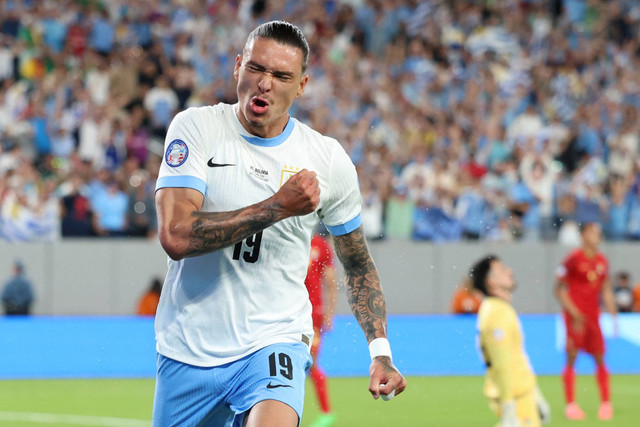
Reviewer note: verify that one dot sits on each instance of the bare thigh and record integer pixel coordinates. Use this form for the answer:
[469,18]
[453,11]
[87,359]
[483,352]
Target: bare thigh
[271,413]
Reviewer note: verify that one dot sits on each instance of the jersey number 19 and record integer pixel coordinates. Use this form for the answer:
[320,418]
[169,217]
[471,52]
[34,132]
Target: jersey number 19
[253,243]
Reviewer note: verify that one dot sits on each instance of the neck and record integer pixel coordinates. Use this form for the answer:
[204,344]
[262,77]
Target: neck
[503,295]
[589,250]
[268,131]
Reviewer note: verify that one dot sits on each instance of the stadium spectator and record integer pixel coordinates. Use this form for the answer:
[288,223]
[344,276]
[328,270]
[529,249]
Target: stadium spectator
[615,226]
[76,213]
[321,277]
[110,206]
[148,302]
[161,102]
[633,206]
[537,174]
[17,292]
[466,299]
[102,35]
[372,209]
[510,383]
[471,208]
[141,212]
[622,292]
[582,278]
[636,298]
[399,214]
[256,147]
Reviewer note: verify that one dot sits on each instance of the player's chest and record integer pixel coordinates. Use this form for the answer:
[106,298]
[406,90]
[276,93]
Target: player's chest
[591,272]
[238,175]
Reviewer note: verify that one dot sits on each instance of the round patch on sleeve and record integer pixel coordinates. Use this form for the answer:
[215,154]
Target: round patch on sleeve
[498,334]
[177,153]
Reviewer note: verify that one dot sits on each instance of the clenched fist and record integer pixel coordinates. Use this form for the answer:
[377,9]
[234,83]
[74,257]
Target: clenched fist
[300,195]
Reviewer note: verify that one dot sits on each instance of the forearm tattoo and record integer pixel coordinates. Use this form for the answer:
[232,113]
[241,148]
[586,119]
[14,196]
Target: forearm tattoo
[363,284]
[215,230]
[387,364]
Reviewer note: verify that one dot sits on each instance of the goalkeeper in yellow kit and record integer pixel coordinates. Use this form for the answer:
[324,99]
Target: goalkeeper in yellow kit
[510,384]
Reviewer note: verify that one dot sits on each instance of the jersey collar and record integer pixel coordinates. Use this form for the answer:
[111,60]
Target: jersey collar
[265,142]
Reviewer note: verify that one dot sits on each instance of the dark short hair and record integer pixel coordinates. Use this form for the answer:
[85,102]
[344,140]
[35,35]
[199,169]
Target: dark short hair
[479,272]
[584,226]
[285,33]
[623,275]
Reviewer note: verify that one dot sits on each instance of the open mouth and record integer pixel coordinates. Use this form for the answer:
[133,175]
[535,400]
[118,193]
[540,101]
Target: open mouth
[259,106]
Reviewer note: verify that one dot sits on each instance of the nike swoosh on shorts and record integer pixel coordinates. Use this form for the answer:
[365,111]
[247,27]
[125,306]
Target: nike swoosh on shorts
[277,385]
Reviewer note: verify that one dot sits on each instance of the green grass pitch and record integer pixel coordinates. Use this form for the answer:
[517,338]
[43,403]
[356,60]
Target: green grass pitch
[428,401]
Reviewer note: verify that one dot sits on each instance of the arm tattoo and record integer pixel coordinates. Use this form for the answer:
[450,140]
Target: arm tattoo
[387,365]
[363,284]
[211,231]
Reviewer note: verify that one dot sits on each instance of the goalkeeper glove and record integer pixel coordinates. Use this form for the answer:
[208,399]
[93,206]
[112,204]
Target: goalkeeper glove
[509,418]
[543,407]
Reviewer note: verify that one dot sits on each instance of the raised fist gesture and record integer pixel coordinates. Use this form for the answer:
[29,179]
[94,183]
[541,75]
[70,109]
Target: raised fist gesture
[300,195]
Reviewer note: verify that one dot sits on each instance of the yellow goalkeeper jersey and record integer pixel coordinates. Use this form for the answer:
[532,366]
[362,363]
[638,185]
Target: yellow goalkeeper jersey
[509,373]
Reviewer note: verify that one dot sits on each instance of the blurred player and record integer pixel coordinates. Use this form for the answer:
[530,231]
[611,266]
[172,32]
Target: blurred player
[582,278]
[148,303]
[321,274]
[510,384]
[240,190]
[466,299]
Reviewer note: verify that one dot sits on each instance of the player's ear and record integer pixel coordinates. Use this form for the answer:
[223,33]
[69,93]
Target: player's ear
[303,84]
[236,68]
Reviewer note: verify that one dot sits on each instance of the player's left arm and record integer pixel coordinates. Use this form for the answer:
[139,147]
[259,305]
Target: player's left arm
[608,298]
[610,303]
[331,283]
[367,302]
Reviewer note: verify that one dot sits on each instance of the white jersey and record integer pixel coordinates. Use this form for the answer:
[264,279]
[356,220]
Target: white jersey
[219,307]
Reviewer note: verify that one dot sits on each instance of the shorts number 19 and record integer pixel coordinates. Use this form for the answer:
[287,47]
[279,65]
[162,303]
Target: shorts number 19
[285,363]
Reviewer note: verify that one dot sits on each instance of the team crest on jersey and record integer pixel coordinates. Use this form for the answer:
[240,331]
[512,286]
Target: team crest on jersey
[177,153]
[288,172]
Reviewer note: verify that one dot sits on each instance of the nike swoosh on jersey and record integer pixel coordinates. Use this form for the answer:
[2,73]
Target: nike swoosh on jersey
[217,165]
[277,385]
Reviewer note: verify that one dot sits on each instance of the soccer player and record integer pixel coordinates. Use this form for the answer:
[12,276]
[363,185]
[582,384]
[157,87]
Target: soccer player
[321,274]
[240,190]
[582,278]
[510,383]
[148,303]
[466,299]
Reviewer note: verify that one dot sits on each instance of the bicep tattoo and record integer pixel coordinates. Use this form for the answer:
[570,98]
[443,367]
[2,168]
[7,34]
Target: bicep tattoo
[363,284]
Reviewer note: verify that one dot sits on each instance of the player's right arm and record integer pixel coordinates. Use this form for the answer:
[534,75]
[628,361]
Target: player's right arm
[610,303]
[562,295]
[186,231]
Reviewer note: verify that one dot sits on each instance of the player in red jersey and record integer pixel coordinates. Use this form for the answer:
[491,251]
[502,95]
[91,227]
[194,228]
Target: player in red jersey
[321,273]
[581,279]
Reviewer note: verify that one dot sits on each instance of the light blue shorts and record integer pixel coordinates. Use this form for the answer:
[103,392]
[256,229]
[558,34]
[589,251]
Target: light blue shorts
[188,395]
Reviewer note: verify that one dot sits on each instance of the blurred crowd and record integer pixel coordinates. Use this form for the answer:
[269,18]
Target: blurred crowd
[503,121]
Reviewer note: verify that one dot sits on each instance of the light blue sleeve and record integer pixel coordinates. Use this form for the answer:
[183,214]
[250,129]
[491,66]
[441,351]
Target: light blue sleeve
[341,212]
[188,168]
